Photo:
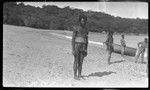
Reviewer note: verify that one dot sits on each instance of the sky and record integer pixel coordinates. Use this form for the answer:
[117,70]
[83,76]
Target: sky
[122,9]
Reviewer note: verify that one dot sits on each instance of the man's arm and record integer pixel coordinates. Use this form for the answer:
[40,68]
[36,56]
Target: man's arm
[139,44]
[121,41]
[73,39]
[125,43]
[87,40]
[107,40]
[112,39]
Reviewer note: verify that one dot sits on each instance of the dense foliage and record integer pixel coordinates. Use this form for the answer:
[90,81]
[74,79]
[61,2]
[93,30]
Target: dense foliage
[53,17]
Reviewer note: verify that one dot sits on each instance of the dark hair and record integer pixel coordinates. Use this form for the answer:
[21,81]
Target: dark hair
[146,39]
[122,35]
[82,16]
[110,32]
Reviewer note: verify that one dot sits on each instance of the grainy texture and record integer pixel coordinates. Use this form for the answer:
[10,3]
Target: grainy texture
[34,58]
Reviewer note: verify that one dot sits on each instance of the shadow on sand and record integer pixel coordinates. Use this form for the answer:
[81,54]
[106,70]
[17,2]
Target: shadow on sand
[99,74]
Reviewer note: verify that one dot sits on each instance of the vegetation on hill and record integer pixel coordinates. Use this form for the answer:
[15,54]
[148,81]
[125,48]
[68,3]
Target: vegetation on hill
[53,17]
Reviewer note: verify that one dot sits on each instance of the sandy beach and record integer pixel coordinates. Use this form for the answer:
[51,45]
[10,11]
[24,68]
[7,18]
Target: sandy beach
[38,58]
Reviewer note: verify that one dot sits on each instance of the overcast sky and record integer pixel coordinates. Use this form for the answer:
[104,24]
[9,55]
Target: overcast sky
[122,9]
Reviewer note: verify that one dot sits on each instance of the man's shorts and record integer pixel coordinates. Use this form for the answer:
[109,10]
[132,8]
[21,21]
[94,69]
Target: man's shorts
[110,49]
[80,48]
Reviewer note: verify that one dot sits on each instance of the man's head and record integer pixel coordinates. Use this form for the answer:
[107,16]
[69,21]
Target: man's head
[111,32]
[146,40]
[122,36]
[82,19]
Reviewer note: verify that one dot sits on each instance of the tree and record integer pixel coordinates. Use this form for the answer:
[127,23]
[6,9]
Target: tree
[53,17]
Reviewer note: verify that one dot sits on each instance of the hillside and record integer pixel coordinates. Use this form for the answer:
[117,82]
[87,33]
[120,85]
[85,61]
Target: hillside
[55,18]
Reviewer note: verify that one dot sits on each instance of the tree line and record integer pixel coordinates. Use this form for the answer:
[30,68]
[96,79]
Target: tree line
[54,18]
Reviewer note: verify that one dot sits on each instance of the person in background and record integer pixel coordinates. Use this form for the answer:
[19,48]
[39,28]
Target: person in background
[141,50]
[79,46]
[147,59]
[123,45]
[109,45]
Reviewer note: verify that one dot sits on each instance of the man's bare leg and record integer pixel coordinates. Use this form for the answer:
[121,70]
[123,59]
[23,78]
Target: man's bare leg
[142,57]
[80,65]
[75,66]
[109,57]
[122,53]
[137,57]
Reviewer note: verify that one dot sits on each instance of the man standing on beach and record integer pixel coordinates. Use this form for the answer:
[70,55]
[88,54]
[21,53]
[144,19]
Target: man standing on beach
[123,45]
[141,49]
[79,45]
[109,45]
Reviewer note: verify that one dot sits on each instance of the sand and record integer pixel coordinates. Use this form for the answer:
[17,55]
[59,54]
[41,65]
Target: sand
[38,58]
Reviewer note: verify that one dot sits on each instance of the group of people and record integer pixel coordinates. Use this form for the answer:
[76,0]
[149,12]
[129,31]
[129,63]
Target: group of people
[80,44]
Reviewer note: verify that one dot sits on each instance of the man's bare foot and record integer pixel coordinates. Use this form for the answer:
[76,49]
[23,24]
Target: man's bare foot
[82,77]
[75,77]
[78,78]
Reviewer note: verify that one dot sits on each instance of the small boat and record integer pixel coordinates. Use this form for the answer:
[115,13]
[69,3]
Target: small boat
[130,51]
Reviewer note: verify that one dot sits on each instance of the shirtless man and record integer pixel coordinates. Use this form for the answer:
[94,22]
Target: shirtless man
[79,45]
[123,45]
[141,50]
[147,61]
[109,45]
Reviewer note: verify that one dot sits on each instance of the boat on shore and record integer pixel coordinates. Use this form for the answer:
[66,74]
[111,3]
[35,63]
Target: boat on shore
[130,51]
